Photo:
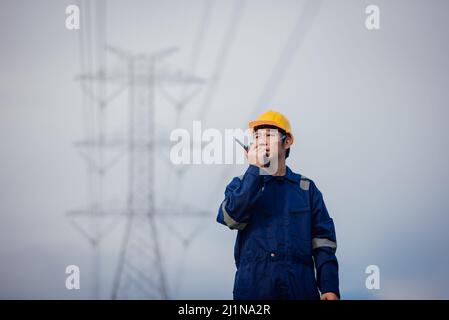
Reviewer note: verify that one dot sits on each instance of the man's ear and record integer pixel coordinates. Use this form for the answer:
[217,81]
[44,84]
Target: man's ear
[288,142]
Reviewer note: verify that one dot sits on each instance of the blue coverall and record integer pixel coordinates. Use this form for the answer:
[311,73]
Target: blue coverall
[284,234]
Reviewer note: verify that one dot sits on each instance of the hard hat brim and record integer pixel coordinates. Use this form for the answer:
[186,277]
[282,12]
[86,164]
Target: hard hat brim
[256,123]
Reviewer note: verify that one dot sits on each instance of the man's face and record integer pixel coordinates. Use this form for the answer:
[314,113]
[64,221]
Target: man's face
[271,140]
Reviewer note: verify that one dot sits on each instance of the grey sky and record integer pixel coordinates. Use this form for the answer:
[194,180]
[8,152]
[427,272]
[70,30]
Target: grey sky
[368,110]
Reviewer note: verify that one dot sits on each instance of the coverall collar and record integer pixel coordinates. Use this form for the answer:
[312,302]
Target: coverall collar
[289,175]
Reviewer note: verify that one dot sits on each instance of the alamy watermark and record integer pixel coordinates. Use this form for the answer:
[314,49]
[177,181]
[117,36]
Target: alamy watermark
[214,147]
[372,21]
[372,282]
[72,20]
[72,282]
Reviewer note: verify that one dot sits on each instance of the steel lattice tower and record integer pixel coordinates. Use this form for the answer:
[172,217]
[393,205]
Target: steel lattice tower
[140,271]
[140,256]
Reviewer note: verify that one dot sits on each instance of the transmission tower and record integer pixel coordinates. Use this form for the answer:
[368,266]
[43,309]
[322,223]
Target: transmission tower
[140,272]
[140,267]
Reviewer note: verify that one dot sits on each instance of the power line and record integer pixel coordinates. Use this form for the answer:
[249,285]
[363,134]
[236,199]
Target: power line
[236,13]
[288,53]
[223,52]
[94,108]
[186,97]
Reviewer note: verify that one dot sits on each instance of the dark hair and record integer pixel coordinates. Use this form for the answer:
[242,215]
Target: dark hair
[281,131]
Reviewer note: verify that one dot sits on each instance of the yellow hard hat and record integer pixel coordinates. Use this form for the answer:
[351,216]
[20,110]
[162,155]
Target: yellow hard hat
[273,118]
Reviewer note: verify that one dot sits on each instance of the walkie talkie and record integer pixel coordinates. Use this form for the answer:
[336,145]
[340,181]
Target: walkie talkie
[244,146]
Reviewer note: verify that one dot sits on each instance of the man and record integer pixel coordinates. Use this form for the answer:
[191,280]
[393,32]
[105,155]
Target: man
[285,233]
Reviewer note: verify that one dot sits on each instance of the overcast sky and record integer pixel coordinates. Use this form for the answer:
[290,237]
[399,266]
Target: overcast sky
[368,111]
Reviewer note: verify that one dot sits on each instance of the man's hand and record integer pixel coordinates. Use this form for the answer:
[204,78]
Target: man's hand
[329,296]
[256,155]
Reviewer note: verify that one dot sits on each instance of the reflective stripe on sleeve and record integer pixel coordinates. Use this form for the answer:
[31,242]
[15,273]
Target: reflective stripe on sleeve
[231,223]
[319,242]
